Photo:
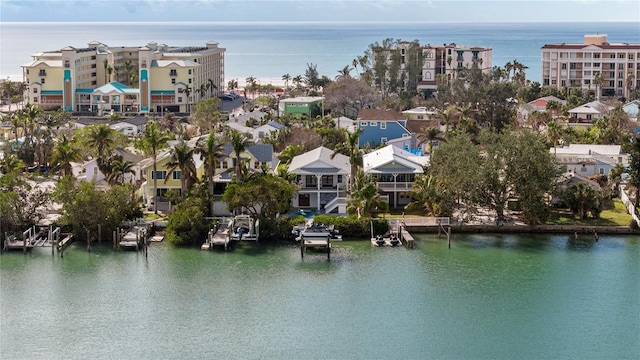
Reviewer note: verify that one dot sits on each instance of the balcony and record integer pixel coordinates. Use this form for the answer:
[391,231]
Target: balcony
[395,186]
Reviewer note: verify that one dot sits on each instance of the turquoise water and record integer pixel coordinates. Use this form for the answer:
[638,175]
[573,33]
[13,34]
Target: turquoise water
[488,297]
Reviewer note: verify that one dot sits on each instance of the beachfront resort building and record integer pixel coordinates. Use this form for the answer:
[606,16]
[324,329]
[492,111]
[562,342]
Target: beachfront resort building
[425,64]
[602,68]
[101,78]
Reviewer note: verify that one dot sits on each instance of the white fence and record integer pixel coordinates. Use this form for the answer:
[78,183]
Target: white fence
[627,202]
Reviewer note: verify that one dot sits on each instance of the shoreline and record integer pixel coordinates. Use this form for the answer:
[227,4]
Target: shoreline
[530,229]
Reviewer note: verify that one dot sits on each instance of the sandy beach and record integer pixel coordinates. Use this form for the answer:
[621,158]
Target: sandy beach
[242,82]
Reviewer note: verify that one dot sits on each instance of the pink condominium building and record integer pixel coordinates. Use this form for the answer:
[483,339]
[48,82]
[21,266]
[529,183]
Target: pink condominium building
[608,70]
[149,78]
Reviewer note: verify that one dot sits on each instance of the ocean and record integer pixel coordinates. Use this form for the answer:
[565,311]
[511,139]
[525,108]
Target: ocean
[268,50]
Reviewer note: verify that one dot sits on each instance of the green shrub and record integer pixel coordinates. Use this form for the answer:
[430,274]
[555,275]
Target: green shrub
[634,225]
[352,227]
[187,225]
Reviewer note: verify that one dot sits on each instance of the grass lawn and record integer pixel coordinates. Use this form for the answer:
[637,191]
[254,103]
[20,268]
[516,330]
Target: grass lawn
[153,216]
[617,216]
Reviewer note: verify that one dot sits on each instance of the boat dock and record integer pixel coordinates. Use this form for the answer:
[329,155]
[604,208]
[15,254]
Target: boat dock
[32,238]
[322,242]
[136,237]
[218,237]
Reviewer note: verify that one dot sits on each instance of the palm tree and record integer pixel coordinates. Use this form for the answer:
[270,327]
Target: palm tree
[211,86]
[128,69]
[598,80]
[29,114]
[447,116]
[203,90]
[110,71]
[239,144]
[105,63]
[119,169]
[429,135]
[187,93]
[64,153]
[210,151]
[351,148]
[554,131]
[182,158]
[101,138]
[345,72]
[297,80]
[251,84]
[153,139]
[364,196]
[10,163]
[286,78]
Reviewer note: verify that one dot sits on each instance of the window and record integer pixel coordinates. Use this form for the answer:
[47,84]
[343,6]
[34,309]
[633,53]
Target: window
[601,171]
[596,65]
[256,165]
[180,90]
[363,123]
[160,175]
[66,63]
[177,174]
[563,83]
[189,71]
[621,56]
[373,123]
[583,168]
[339,179]
[35,99]
[383,140]
[189,81]
[42,72]
[225,165]
[564,66]
[383,125]
[42,81]
[173,72]
[428,64]
[35,90]
[173,81]
[179,99]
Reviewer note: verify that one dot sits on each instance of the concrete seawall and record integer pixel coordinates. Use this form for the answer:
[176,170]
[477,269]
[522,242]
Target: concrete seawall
[534,229]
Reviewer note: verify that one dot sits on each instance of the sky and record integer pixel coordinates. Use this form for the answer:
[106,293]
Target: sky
[318,10]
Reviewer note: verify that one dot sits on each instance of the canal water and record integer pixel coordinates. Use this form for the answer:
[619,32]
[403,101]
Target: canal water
[488,297]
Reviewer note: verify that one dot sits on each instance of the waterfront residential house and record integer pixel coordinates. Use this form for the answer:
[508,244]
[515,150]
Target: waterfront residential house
[322,178]
[589,159]
[89,170]
[255,158]
[151,78]
[379,126]
[395,171]
[309,106]
[588,112]
[602,68]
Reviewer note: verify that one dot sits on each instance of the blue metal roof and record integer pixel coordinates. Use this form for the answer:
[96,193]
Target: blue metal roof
[51,92]
[162,92]
[84,91]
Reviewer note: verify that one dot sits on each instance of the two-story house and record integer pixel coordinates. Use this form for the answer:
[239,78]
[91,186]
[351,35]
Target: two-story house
[394,170]
[322,179]
[379,126]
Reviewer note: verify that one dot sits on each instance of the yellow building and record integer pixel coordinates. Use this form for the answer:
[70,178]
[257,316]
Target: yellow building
[151,78]
[605,69]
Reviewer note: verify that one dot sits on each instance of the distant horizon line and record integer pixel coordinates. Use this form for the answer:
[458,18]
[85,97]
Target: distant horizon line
[278,22]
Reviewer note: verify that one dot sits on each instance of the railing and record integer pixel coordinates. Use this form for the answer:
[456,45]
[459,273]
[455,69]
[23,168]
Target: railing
[322,187]
[395,186]
[420,221]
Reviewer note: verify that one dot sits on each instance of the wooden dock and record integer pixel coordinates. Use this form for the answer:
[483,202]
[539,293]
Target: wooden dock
[315,242]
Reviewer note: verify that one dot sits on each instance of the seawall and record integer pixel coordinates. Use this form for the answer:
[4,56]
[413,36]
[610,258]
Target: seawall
[534,229]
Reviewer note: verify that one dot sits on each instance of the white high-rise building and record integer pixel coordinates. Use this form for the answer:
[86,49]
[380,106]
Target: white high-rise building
[602,68]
